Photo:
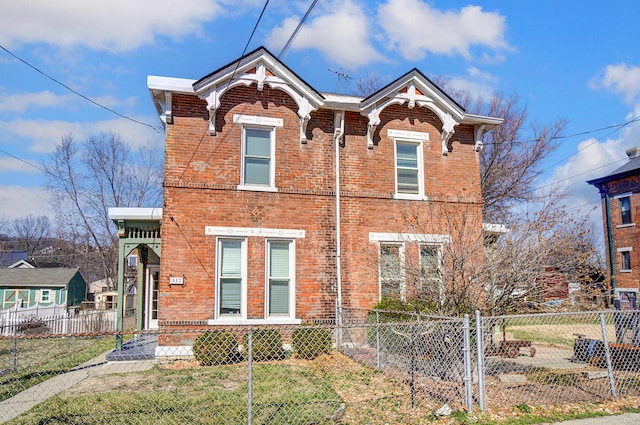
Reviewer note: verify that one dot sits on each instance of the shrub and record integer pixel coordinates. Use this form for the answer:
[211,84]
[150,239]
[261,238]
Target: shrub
[309,343]
[266,344]
[216,347]
[33,326]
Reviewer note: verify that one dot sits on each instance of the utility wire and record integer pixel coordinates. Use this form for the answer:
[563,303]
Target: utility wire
[156,129]
[297,30]
[244,51]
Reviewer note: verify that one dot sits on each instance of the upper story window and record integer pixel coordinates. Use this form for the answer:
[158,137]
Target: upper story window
[625,210]
[258,151]
[258,157]
[409,168]
[625,259]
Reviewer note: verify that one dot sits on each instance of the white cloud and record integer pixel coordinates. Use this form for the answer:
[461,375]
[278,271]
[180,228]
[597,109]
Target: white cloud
[13,165]
[592,160]
[22,102]
[341,32]
[19,202]
[415,29]
[621,79]
[116,25]
[478,84]
[43,135]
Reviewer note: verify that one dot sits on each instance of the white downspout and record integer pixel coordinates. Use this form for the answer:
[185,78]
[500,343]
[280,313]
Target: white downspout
[338,134]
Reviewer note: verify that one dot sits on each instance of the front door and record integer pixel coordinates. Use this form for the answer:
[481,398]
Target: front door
[151,295]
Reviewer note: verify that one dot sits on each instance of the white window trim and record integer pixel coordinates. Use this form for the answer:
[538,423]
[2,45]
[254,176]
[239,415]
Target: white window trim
[403,279]
[292,280]
[419,153]
[259,123]
[41,295]
[418,138]
[409,237]
[243,285]
[623,195]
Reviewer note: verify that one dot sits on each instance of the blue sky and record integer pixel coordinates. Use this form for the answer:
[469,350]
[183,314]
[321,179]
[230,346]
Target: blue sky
[577,61]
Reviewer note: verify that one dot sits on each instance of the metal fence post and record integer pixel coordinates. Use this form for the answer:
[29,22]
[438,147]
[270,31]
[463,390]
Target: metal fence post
[466,349]
[412,345]
[249,375]
[377,340]
[607,353]
[480,355]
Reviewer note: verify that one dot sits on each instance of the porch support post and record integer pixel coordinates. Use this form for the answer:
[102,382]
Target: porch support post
[120,305]
[142,266]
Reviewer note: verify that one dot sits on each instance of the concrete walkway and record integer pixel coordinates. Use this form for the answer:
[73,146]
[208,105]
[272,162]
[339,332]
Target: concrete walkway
[98,366]
[626,419]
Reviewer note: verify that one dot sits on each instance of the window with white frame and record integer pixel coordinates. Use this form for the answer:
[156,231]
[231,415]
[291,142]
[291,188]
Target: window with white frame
[431,271]
[409,179]
[625,210]
[625,259]
[280,278]
[391,272]
[231,277]
[45,295]
[257,157]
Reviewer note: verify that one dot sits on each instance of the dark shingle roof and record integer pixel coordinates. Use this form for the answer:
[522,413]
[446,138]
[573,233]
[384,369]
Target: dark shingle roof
[11,257]
[56,277]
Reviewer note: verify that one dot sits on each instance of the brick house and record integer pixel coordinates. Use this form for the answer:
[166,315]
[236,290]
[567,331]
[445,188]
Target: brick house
[282,203]
[620,194]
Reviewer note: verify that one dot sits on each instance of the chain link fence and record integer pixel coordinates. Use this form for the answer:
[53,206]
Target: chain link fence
[376,367]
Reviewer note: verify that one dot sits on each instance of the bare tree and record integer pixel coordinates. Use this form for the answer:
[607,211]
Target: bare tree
[88,178]
[364,86]
[512,158]
[30,232]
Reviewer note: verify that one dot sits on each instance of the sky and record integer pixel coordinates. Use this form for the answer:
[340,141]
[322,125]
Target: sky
[578,64]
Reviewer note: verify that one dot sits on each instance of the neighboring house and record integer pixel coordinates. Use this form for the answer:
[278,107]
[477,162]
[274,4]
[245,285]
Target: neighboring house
[620,193]
[282,203]
[26,287]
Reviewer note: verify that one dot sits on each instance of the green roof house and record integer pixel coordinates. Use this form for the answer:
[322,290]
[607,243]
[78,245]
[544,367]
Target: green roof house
[25,287]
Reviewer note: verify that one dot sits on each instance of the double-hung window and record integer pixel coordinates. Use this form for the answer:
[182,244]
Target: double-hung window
[231,288]
[625,259]
[45,295]
[625,209]
[407,168]
[431,271]
[258,157]
[280,278]
[257,170]
[392,270]
[409,164]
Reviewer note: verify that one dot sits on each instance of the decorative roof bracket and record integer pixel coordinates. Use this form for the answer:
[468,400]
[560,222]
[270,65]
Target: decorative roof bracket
[479,132]
[338,127]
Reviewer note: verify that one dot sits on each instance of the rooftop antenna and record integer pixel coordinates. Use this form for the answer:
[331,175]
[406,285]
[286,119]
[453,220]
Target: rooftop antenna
[342,75]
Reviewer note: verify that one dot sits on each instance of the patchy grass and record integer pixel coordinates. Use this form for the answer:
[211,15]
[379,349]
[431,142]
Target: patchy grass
[33,360]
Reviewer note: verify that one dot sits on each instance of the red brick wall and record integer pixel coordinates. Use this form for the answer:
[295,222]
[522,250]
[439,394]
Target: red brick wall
[202,173]
[624,235]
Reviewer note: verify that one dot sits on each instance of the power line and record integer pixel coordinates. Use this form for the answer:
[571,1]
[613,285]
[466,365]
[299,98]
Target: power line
[24,160]
[297,30]
[156,129]
[244,51]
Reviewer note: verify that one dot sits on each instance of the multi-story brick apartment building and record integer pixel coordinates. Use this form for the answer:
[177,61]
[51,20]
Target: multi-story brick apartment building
[620,194]
[282,202]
